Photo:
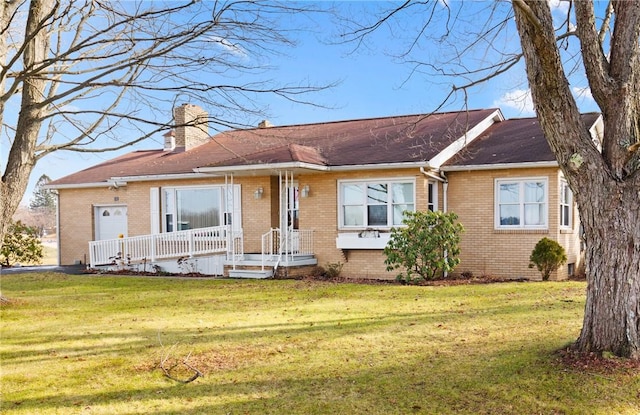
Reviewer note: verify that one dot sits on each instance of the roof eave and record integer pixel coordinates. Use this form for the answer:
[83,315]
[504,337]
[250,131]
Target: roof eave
[501,166]
[254,168]
[110,183]
[154,177]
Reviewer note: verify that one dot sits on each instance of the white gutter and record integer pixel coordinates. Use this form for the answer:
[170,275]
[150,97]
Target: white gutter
[152,177]
[84,185]
[264,166]
[432,175]
[382,166]
[500,166]
[309,166]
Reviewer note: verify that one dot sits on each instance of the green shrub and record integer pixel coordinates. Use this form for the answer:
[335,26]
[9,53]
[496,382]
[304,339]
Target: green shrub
[426,247]
[20,244]
[547,256]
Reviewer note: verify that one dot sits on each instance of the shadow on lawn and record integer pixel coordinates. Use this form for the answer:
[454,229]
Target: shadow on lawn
[123,341]
[528,381]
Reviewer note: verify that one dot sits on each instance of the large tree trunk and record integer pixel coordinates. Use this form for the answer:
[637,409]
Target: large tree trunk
[612,235]
[22,158]
[605,183]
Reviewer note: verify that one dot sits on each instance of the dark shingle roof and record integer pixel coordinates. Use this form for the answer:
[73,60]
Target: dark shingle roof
[399,139]
[510,142]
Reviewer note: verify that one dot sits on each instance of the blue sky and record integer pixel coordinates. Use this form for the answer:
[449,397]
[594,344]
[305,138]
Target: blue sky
[371,83]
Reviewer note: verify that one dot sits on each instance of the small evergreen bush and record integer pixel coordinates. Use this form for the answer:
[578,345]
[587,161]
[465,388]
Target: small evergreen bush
[547,256]
[426,247]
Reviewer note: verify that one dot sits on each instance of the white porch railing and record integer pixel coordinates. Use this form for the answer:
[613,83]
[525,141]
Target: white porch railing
[276,246]
[217,239]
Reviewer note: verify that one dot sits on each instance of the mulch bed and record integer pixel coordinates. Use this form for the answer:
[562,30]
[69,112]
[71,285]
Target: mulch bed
[596,363]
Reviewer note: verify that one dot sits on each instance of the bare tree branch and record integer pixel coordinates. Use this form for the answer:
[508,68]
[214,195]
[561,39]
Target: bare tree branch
[94,76]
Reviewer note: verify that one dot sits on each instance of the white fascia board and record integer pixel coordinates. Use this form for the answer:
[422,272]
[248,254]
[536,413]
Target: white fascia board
[82,185]
[501,166]
[260,167]
[465,140]
[381,166]
[153,177]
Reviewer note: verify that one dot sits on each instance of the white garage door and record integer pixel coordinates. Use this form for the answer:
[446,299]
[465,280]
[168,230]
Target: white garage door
[111,222]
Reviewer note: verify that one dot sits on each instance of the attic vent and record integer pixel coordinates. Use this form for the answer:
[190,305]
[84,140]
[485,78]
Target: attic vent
[265,124]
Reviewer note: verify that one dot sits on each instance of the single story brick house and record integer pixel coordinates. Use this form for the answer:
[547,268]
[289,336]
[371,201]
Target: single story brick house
[281,199]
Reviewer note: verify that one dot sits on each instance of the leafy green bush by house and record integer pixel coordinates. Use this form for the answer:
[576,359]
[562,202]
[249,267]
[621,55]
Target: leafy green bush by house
[547,256]
[426,247]
[20,245]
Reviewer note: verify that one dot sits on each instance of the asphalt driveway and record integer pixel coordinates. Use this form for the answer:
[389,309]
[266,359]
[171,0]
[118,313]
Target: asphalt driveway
[66,269]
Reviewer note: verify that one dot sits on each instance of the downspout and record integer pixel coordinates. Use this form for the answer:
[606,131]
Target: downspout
[445,193]
[445,188]
[59,255]
[442,178]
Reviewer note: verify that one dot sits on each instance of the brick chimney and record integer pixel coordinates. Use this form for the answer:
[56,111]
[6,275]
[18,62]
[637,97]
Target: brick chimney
[192,128]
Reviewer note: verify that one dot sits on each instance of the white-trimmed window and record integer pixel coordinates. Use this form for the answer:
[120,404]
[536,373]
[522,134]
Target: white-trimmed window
[197,207]
[375,203]
[521,203]
[566,205]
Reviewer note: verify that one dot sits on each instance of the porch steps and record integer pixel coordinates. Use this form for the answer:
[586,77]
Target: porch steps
[251,273]
[250,266]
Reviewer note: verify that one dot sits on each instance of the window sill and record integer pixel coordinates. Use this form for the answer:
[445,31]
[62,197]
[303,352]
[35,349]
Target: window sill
[369,240]
[521,231]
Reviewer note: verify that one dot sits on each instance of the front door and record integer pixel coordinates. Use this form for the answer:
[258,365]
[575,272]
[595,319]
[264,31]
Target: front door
[111,222]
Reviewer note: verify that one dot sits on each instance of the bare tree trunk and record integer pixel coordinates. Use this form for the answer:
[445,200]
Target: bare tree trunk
[22,159]
[605,185]
[612,312]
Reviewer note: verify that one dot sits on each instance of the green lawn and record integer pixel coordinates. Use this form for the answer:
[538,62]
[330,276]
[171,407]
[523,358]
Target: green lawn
[93,344]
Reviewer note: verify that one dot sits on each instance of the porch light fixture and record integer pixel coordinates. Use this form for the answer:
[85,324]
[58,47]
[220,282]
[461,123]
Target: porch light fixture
[258,193]
[305,191]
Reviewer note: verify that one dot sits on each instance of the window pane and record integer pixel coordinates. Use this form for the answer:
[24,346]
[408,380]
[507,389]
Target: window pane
[377,215]
[565,216]
[397,212]
[534,214]
[509,215]
[353,216]
[564,194]
[402,193]
[430,197]
[509,193]
[352,194]
[534,192]
[198,208]
[376,193]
